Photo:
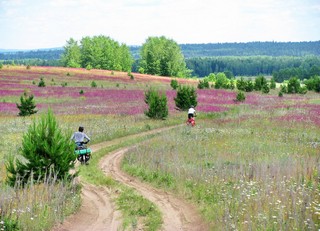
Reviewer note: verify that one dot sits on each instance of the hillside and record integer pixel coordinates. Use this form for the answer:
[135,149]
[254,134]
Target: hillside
[194,50]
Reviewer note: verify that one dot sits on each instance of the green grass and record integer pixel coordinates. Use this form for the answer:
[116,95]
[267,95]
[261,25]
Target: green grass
[133,206]
[253,173]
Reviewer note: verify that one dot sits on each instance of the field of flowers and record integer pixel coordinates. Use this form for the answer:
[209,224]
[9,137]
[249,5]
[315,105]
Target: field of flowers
[257,167]
[253,165]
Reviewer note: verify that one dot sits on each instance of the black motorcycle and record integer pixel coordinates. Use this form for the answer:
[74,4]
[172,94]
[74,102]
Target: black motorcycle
[83,152]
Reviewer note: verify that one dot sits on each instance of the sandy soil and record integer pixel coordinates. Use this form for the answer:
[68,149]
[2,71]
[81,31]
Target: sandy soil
[98,211]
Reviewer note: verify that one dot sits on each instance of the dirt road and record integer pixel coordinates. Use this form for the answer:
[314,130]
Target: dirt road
[98,210]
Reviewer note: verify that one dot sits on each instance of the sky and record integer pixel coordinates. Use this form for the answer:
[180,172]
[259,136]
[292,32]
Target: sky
[37,24]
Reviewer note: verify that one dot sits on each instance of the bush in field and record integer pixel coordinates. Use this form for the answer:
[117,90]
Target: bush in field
[41,83]
[1,65]
[272,83]
[293,85]
[27,105]
[186,96]
[174,84]
[265,89]
[249,86]
[241,84]
[45,152]
[203,84]
[93,84]
[313,84]
[158,108]
[221,81]
[260,82]
[240,96]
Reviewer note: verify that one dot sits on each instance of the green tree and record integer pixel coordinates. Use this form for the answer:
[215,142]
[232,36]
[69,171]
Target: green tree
[203,84]
[41,83]
[272,83]
[240,96]
[72,55]
[174,84]
[101,52]
[259,83]
[186,96]
[221,81]
[293,85]
[162,56]
[27,105]
[158,108]
[46,152]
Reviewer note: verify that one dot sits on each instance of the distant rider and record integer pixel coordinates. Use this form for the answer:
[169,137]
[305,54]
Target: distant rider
[80,136]
[191,112]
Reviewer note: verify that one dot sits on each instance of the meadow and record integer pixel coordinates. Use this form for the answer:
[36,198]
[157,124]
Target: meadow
[248,166]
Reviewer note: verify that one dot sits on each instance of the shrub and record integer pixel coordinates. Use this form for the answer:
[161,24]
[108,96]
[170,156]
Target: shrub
[280,94]
[240,96]
[186,96]
[46,152]
[265,89]
[93,84]
[130,75]
[241,84]
[272,83]
[41,83]
[81,92]
[158,108]
[293,85]
[259,83]
[27,105]
[1,65]
[28,67]
[203,84]
[174,84]
[88,67]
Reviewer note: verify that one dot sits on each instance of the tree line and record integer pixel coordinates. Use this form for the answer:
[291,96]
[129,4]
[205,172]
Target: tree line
[256,65]
[162,56]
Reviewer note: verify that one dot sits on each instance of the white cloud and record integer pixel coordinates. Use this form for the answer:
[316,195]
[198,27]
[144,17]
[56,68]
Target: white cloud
[49,23]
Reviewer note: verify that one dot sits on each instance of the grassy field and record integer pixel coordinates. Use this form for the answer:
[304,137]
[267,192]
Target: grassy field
[249,166]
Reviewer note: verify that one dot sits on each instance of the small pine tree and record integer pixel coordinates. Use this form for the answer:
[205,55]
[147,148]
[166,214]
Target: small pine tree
[273,83]
[93,84]
[241,96]
[203,84]
[158,108]
[186,96]
[41,83]
[174,84]
[46,152]
[27,105]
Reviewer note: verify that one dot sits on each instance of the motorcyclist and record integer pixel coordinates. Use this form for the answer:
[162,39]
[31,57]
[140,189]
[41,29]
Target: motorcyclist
[191,112]
[79,137]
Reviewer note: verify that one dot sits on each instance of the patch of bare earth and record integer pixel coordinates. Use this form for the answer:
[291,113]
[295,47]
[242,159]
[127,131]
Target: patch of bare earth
[98,210]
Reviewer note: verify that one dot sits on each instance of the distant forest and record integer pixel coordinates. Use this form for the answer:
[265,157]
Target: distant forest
[242,59]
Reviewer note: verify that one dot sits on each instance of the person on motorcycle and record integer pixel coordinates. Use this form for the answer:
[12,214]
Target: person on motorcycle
[79,137]
[191,112]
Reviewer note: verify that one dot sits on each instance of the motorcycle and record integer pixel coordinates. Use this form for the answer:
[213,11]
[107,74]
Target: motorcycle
[83,153]
[191,122]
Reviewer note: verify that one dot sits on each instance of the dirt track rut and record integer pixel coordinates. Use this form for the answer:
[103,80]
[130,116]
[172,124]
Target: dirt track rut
[98,210]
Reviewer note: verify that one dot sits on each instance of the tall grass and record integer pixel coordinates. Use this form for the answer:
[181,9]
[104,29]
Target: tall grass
[42,198]
[247,171]
[38,206]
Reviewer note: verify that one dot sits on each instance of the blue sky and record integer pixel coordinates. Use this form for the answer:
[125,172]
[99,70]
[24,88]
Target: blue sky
[35,24]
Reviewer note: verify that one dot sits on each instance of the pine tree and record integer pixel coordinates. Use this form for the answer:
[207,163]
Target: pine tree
[46,152]
[158,108]
[27,105]
[186,96]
